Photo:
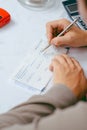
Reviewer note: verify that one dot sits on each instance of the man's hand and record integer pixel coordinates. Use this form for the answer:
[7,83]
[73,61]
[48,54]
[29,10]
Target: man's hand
[75,37]
[68,71]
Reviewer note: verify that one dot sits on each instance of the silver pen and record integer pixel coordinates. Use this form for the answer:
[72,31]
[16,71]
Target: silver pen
[64,31]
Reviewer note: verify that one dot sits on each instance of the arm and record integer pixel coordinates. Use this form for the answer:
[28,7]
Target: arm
[38,107]
[59,119]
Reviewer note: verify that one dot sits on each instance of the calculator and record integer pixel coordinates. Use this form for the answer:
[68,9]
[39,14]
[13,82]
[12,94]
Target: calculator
[72,10]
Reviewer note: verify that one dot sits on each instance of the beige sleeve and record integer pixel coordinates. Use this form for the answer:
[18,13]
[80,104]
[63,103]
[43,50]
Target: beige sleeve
[43,112]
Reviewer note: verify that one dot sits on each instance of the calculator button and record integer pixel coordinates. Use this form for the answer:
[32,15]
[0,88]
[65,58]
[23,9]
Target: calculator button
[80,20]
[85,27]
[82,23]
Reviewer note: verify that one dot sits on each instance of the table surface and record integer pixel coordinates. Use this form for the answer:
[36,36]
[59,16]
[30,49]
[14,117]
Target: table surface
[16,41]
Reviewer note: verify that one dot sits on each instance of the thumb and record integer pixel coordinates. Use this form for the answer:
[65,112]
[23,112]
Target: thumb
[58,41]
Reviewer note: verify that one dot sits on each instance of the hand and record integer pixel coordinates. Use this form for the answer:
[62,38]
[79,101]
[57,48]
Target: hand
[68,71]
[75,37]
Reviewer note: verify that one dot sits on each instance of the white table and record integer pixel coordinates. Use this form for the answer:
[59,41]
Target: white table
[16,40]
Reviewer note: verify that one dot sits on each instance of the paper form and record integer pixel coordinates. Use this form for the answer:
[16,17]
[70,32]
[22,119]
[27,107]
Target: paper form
[35,70]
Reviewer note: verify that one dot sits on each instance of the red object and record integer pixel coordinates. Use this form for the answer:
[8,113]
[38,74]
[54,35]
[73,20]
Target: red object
[4,17]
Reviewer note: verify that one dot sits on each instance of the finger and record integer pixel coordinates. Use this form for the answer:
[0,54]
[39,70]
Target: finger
[63,40]
[61,60]
[59,25]
[77,64]
[69,61]
[50,26]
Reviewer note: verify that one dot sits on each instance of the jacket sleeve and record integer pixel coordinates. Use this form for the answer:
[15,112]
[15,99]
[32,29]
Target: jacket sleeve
[41,112]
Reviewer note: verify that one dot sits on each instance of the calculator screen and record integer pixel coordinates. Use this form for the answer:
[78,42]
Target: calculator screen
[72,8]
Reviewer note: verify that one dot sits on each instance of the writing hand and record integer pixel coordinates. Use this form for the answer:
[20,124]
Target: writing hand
[75,37]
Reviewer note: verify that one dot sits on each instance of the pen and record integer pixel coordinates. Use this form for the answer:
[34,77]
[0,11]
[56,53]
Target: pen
[64,31]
